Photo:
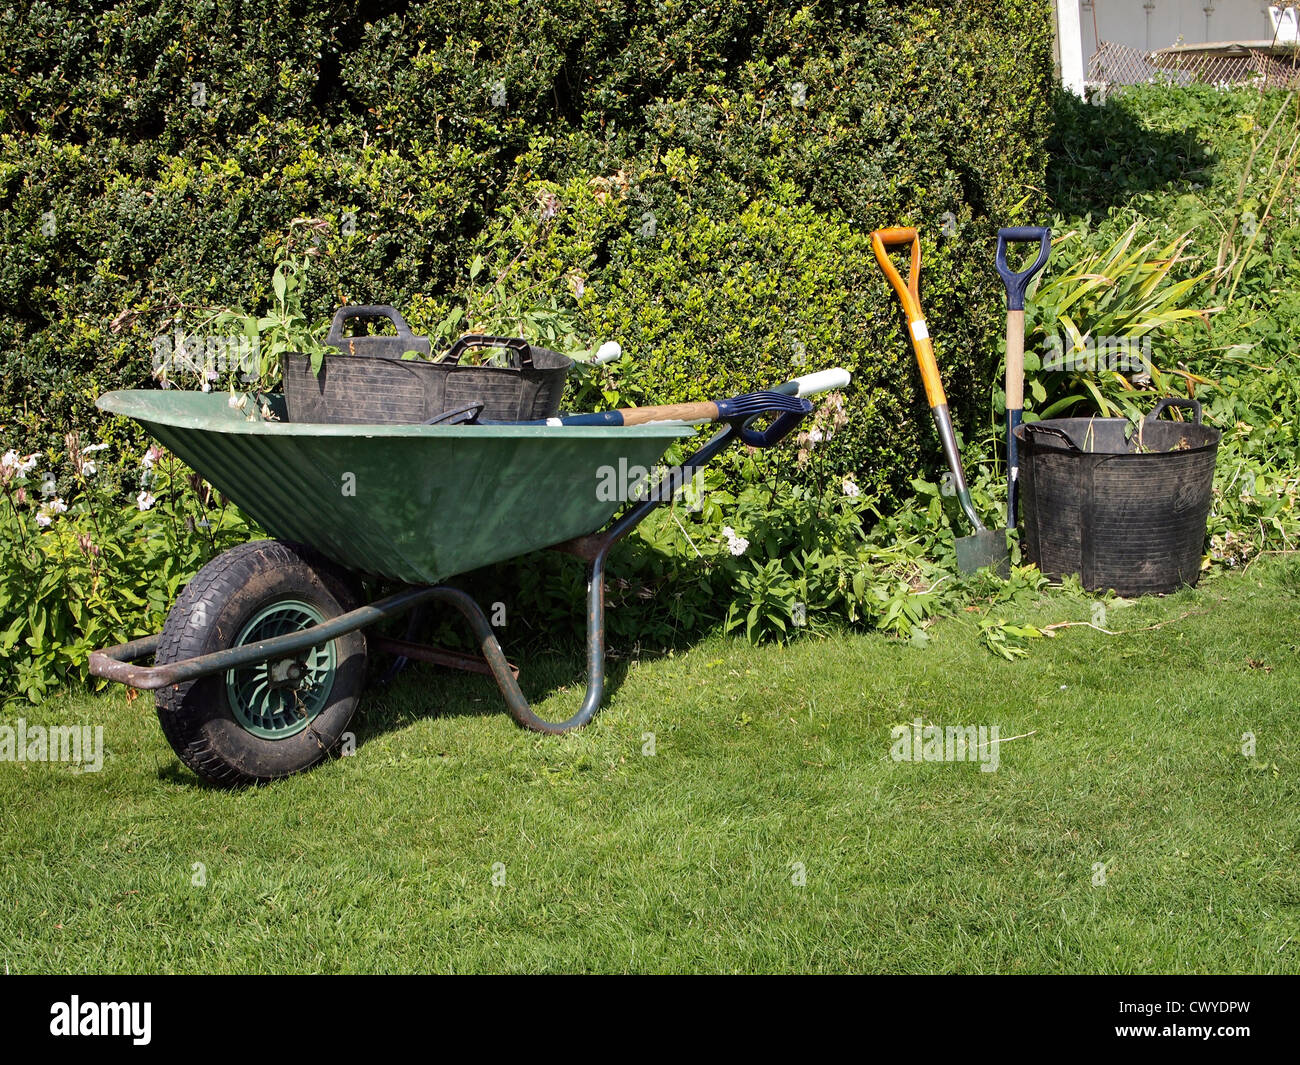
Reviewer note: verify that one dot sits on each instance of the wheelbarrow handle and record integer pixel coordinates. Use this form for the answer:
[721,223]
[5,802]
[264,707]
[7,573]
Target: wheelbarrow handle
[1018,282]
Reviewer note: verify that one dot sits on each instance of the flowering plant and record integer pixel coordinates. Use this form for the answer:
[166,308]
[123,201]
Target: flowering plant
[96,548]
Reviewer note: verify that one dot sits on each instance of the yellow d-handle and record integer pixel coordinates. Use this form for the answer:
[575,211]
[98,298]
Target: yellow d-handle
[910,295]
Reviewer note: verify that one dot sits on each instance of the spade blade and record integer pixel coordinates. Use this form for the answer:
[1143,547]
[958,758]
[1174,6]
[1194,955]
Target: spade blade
[985,548]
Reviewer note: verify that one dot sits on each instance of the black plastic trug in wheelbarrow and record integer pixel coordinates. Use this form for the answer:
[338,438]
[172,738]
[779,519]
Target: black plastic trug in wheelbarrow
[1123,506]
[370,382]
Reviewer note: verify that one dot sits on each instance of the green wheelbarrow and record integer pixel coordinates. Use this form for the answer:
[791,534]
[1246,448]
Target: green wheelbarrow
[262,659]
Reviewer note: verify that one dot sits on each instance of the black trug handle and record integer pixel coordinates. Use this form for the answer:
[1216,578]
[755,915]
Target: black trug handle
[522,349]
[1050,430]
[335,337]
[1193,405]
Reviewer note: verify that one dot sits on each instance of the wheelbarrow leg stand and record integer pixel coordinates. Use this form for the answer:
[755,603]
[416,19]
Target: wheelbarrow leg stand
[594,550]
[504,674]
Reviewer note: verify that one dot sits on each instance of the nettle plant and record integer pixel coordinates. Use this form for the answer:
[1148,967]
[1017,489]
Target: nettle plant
[234,350]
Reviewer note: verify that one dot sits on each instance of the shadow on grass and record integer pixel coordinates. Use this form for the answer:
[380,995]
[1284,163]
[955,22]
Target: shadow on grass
[1101,155]
[549,650]
[424,691]
[174,772]
[421,691]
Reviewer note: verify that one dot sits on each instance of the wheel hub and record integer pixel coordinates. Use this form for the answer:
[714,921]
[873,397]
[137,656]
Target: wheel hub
[278,699]
[286,673]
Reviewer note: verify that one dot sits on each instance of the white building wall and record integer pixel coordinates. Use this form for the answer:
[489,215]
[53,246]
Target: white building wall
[1153,24]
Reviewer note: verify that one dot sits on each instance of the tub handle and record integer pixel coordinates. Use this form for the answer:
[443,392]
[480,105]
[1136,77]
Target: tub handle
[1176,401]
[1051,430]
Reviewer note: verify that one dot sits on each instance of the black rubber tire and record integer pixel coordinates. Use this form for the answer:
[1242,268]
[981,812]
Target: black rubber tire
[209,614]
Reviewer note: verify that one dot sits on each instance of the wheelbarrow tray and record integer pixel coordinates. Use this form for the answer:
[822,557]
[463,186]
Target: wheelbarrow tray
[415,503]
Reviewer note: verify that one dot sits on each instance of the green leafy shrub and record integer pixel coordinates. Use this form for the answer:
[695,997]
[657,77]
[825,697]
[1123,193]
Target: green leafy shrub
[155,157]
[1212,174]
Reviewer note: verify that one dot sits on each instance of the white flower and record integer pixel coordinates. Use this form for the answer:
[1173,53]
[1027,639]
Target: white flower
[850,489]
[815,436]
[46,514]
[237,401]
[144,500]
[150,457]
[88,466]
[13,465]
[735,544]
[48,485]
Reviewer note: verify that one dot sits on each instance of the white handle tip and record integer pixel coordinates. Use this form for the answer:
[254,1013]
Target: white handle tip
[608,352]
[822,381]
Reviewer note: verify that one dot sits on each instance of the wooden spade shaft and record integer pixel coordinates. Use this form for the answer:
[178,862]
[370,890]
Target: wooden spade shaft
[671,412]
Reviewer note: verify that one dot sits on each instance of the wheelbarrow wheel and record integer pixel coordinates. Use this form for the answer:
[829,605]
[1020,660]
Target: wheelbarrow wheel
[262,722]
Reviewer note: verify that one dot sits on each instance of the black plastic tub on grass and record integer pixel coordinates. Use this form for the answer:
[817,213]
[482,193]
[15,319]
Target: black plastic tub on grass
[1124,506]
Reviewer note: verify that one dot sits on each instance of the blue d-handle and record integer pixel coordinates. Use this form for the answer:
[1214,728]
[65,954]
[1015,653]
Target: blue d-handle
[1017,283]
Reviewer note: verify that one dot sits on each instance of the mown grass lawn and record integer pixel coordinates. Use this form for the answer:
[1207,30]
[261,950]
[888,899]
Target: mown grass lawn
[614,859]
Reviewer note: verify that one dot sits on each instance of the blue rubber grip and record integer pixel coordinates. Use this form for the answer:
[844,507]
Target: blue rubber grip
[761,403]
[780,428]
[1017,283]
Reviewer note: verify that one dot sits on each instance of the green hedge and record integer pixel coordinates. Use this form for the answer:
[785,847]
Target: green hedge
[153,157]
